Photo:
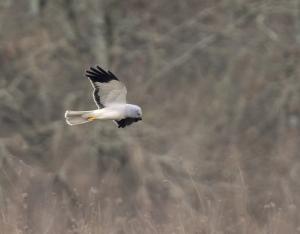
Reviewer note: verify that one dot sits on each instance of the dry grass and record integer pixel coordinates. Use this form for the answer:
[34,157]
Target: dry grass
[218,149]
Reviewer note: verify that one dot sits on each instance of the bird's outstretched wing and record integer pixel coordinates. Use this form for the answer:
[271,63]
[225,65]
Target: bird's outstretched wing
[107,87]
[125,122]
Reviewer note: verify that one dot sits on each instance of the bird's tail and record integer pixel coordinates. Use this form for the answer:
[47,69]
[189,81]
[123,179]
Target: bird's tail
[78,117]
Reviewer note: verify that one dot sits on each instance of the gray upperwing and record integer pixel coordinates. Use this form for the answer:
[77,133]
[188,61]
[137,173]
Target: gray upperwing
[107,87]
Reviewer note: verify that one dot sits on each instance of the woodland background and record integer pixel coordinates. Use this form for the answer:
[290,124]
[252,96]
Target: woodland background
[218,148]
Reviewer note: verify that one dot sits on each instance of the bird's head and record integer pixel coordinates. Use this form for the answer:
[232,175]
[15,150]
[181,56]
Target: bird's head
[135,112]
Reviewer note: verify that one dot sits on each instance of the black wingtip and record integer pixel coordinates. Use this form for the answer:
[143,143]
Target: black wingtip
[127,121]
[97,74]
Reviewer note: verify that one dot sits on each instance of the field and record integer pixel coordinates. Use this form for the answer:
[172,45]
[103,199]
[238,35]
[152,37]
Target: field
[217,150]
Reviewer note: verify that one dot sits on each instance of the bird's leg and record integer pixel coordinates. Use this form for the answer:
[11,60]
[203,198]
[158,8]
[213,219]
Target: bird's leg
[91,118]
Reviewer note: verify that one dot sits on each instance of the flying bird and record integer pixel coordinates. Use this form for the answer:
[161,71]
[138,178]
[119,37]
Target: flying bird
[110,97]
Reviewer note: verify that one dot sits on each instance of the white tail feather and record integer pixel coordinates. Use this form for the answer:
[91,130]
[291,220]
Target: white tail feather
[77,117]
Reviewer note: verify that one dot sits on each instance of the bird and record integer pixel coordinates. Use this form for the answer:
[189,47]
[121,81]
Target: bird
[110,97]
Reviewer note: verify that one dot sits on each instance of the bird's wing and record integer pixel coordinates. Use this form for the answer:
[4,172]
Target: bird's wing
[125,122]
[107,87]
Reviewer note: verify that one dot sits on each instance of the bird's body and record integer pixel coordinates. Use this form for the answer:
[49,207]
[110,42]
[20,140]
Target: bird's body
[110,97]
[114,112]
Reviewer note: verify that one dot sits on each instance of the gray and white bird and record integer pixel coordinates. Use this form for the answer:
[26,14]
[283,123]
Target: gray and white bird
[110,97]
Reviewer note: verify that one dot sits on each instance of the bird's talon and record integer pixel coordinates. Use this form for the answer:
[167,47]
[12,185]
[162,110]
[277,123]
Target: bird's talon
[91,118]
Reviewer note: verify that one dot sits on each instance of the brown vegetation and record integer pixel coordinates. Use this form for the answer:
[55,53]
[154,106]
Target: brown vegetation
[218,148]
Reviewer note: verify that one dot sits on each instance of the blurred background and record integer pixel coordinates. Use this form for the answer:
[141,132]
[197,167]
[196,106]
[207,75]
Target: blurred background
[218,148]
